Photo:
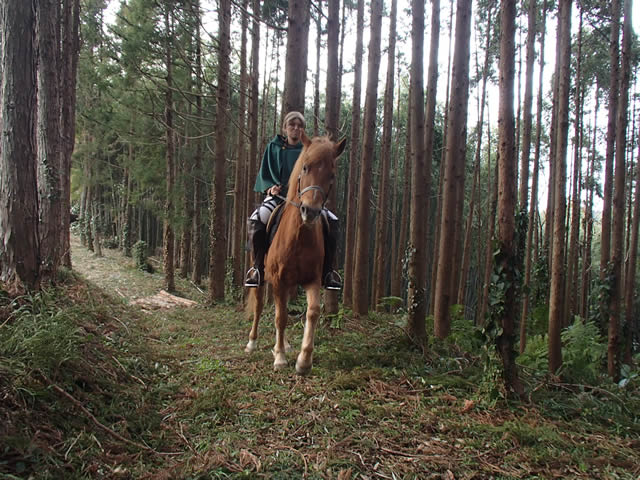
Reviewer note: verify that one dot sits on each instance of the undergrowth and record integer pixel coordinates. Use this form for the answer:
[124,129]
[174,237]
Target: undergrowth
[93,388]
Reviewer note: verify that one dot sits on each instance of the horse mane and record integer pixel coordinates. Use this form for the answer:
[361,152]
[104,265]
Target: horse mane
[297,168]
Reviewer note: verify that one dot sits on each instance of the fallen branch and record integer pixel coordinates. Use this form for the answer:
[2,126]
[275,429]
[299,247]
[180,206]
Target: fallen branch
[99,424]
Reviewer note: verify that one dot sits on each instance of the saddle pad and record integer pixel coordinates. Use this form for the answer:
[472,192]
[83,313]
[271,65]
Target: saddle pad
[274,221]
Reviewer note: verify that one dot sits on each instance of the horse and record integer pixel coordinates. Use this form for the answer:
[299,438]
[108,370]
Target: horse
[296,254]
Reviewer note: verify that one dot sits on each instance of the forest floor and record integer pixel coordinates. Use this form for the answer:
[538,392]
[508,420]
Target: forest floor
[94,386]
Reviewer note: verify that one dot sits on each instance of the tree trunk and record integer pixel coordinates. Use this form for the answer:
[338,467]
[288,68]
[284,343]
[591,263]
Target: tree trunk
[443,159]
[454,169]
[572,257]
[507,258]
[557,297]
[49,140]
[531,224]
[196,226]
[382,216]
[361,267]
[352,184]
[466,251]
[614,55]
[168,234]
[19,257]
[332,115]
[295,76]
[240,175]
[629,287]
[417,302]
[617,234]
[217,225]
[70,55]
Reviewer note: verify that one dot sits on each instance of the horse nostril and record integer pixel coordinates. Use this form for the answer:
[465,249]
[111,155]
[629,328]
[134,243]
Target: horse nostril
[308,213]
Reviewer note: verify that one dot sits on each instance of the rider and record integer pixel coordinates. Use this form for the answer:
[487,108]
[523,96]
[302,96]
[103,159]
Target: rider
[277,163]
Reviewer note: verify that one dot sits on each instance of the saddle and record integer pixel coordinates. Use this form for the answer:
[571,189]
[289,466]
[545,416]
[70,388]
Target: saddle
[274,222]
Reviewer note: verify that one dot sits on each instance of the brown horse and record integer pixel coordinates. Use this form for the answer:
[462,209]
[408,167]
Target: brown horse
[296,254]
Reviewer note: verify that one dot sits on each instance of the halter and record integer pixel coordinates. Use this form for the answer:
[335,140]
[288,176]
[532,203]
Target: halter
[325,195]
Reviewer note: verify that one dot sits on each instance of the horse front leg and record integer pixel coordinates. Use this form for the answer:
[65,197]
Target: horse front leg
[280,348]
[255,306]
[305,358]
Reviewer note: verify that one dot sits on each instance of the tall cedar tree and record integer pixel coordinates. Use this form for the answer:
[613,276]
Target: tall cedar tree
[69,65]
[19,257]
[217,226]
[196,236]
[252,162]
[295,76]
[168,234]
[557,293]
[614,75]
[617,234]
[417,231]
[574,234]
[382,228]
[49,140]
[240,171]
[508,161]
[352,184]
[531,224]
[443,159]
[332,115]
[361,267]
[629,287]
[454,169]
[475,189]
[430,113]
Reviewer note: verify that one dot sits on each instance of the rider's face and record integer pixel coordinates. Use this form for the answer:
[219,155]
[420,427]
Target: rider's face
[294,131]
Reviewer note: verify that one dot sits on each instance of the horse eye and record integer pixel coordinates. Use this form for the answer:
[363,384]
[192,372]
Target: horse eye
[305,169]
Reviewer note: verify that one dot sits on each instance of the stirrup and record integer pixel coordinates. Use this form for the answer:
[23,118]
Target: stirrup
[253,278]
[333,281]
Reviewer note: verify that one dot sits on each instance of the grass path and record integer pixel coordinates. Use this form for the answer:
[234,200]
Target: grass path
[178,398]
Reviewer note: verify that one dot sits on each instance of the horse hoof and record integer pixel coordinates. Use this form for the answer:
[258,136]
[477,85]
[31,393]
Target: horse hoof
[303,370]
[279,366]
[251,346]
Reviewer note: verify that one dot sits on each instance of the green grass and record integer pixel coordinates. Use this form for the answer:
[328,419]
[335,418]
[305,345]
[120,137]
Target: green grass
[91,387]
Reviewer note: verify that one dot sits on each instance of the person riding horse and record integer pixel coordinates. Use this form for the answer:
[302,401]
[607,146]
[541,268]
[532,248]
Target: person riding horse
[277,163]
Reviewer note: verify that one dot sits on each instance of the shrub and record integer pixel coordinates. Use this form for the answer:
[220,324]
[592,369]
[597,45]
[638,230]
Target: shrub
[140,256]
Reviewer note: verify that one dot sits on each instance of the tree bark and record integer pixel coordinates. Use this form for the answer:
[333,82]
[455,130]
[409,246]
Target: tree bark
[454,169]
[361,267]
[19,257]
[332,117]
[417,302]
[295,76]
[531,224]
[352,184]
[557,297]
[168,234]
[382,215]
[617,234]
[507,187]
[217,225]
[49,139]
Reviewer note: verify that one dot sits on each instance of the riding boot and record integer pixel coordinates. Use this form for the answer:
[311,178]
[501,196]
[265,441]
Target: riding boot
[257,232]
[330,278]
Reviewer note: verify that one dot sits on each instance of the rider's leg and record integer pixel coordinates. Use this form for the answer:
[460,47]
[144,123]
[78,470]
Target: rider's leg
[257,233]
[330,278]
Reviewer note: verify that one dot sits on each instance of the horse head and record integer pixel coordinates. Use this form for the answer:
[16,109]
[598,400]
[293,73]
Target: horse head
[314,174]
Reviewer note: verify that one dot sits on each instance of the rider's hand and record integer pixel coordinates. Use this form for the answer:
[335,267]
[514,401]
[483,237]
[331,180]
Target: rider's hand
[275,190]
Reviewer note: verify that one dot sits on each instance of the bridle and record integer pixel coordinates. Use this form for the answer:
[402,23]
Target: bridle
[314,188]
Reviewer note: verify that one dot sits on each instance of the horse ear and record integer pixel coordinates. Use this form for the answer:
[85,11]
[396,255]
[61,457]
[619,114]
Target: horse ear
[306,141]
[340,146]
